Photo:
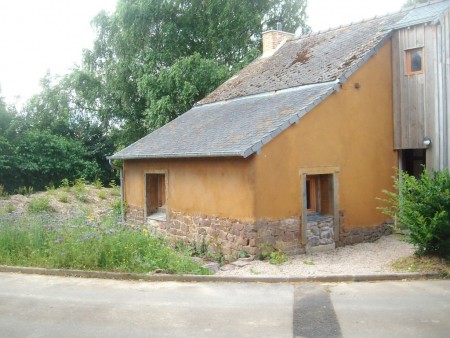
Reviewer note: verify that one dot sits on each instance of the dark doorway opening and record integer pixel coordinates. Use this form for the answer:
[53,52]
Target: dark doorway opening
[413,161]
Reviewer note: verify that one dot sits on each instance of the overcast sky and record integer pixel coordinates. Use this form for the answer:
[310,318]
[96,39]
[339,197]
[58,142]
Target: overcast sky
[41,35]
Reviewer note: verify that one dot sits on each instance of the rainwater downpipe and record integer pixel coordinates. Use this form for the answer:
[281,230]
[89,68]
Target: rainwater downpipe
[122,214]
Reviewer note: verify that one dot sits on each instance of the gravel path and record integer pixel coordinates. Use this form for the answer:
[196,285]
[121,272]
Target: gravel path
[358,259]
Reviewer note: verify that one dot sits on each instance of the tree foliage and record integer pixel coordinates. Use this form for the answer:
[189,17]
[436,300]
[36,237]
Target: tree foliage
[50,140]
[145,45]
[150,62]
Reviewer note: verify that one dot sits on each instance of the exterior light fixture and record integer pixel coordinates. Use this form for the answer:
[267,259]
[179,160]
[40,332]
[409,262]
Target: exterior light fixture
[427,142]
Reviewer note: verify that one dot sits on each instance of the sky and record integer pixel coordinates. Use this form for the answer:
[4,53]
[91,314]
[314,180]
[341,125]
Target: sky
[37,36]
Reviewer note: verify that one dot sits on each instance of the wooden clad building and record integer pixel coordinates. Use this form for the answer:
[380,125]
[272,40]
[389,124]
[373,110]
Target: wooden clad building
[421,75]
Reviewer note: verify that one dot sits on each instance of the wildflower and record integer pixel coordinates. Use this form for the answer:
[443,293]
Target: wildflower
[145,231]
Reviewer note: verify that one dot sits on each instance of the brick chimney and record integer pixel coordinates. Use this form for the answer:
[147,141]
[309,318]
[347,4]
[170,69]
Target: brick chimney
[272,39]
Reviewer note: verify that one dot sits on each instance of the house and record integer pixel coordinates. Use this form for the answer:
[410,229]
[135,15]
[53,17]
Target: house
[294,150]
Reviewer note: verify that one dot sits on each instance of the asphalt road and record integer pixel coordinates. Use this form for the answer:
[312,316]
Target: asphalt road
[46,306]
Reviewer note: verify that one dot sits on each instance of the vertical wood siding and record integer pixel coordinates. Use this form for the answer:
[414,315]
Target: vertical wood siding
[421,101]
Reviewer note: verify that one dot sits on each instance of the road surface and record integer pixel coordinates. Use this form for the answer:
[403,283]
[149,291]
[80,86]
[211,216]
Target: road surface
[48,306]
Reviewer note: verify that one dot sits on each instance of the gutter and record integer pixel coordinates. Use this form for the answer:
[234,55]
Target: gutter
[122,214]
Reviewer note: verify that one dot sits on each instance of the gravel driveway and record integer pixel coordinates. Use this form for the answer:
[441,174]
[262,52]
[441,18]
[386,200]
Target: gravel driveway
[363,258]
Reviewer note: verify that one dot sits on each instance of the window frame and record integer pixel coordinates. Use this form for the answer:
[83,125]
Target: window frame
[408,55]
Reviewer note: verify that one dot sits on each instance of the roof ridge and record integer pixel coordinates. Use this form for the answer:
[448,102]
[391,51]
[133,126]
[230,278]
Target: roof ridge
[406,9]
[267,93]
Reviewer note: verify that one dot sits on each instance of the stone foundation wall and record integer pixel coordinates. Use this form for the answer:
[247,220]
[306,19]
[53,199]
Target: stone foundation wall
[320,230]
[225,236]
[135,215]
[283,235]
[228,237]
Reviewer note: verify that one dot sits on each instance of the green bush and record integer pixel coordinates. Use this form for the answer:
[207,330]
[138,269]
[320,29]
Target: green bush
[421,209]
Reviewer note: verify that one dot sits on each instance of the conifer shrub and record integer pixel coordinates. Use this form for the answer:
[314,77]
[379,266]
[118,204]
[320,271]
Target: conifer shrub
[421,209]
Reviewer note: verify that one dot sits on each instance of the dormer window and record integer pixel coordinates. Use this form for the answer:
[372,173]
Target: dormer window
[414,61]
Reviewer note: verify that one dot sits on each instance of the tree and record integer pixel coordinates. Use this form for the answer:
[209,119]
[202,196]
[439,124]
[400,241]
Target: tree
[146,48]
[151,61]
[176,88]
[6,149]
[42,157]
[51,139]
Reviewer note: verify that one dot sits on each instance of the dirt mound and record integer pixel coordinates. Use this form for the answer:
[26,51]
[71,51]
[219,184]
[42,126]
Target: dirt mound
[65,201]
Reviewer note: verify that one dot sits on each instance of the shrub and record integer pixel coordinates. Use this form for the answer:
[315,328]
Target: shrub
[39,204]
[421,208]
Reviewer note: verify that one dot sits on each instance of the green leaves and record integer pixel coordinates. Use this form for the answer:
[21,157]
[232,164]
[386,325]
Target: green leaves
[175,89]
[422,208]
[152,59]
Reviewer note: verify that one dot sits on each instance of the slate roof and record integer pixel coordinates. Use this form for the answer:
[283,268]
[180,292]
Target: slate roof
[429,12]
[316,58]
[270,94]
[230,128]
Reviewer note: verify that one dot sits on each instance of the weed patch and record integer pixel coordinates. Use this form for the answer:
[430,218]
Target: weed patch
[63,197]
[87,243]
[423,264]
[38,205]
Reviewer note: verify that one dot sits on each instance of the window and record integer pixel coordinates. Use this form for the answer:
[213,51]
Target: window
[414,61]
[155,196]
[318,193]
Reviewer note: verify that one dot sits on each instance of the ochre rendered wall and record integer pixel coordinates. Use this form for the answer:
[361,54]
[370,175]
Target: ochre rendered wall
[217,187]
[352,130]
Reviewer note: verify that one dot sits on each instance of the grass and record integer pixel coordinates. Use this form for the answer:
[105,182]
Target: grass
[39,204]
[88,243]
[309,263]
[102,194]
[63,197]
[423,264]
